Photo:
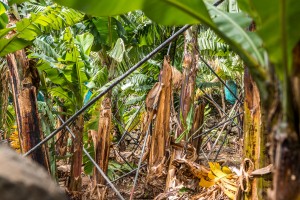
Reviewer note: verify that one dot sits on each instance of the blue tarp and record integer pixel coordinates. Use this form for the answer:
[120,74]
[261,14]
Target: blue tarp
[87,97]
[228,95]
[40,96]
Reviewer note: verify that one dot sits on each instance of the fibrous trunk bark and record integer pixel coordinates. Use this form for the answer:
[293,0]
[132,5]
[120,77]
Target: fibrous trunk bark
[24,83]
[286,140]
[160,136]
[197,125]
[4,93]
[62,136]
[186,99]
[102,140]
[75,178]
[255,138]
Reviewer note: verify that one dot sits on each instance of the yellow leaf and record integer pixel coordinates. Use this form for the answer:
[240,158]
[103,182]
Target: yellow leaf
[211,176]
[205,183]
[216,169]
[229,194]
[228,185]
[226,170]
[228,181]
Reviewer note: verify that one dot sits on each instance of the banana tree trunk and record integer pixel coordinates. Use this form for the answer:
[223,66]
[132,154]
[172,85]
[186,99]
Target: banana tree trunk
[24,83]
[102,140]
[186,98]
[75,178]
[286,140]
[255,138]
[61,137]
[197,125]
[160,137]
[4,93]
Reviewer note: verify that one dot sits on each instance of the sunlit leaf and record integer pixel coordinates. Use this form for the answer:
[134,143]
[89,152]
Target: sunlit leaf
[86,41]
[176,12]
[103,7]
[118,51]
[16,1]
[278,26]
[11,45]
[205,183]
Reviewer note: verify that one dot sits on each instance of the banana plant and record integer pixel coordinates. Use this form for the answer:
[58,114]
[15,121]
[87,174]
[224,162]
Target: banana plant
[65,63]
[23,75]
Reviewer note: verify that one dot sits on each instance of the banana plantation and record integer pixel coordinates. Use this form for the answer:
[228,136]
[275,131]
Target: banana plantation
[149,99]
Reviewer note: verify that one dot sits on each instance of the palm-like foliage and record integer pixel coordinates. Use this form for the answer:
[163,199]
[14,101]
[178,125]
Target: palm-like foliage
[66,64]
[23,32]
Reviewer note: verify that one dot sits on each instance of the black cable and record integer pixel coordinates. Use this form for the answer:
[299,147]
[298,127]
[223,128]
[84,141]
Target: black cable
[219,107]
[170,45]
[127,174]
[221,145]
[217,126]
[213,71]
[126,131]
[139,164]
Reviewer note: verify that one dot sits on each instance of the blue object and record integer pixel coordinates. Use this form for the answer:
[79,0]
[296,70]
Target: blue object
[87,97]
[40,97]
[228,95]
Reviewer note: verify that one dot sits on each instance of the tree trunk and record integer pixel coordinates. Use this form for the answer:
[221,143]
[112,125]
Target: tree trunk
[75,178]
[286,141]
[4,93]
[186,99]
[198,122]
[160,138]
[24,82]
[102,140]
[62,136]
[255,138]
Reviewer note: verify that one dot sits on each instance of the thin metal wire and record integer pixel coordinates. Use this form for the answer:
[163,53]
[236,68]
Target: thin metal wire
[95,164]
[220,124]
[124,159]
[127,174]
[221,146]
[209,138]
[117,81]
[123,102]
[126,131]
[63,133]
[139,165]
[213,71]
[220,108]
[217,139]
[118,122]
[138,143]
[170,45]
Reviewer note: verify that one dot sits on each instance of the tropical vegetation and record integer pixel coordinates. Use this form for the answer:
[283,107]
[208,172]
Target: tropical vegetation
[87,90]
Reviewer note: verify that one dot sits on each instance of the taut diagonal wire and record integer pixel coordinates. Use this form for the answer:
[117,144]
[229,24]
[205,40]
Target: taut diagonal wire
[223,111]
[218,125]
[139,164]
[213,71]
